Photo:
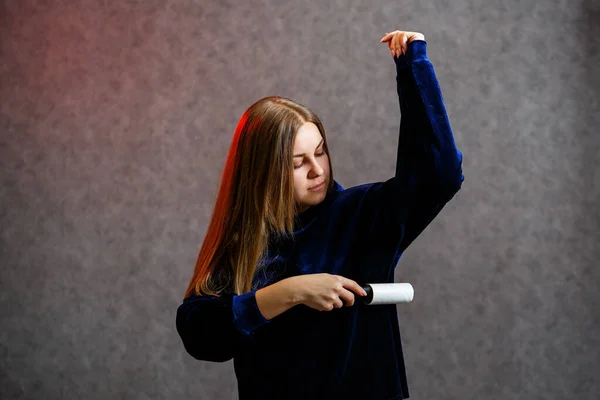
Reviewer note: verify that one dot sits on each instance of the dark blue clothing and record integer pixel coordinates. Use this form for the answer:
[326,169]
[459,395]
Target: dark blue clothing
[360,233]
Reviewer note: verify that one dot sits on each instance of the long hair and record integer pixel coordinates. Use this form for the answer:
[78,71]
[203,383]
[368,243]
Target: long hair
[255,201]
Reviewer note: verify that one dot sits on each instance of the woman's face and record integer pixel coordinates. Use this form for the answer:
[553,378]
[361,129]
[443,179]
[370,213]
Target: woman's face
[311,167]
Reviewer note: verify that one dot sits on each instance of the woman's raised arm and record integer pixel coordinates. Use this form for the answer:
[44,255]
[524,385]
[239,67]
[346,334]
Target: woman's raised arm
[428,166]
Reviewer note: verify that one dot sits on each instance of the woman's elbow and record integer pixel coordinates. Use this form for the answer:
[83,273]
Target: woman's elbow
[450,173]
[458,180]
[207,351]
[203,342]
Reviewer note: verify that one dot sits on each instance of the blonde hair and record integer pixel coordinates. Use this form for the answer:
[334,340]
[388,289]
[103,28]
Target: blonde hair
[256,196]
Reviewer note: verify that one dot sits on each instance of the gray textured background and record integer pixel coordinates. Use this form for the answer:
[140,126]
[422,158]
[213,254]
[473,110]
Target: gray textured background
[115,120]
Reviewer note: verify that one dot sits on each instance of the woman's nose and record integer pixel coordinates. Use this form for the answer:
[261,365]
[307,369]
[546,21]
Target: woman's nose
[316,169]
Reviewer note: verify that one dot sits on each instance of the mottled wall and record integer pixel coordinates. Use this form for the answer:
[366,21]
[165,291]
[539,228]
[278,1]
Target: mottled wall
[115,120]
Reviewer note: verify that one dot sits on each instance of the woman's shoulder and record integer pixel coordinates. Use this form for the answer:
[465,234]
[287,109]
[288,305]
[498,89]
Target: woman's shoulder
[356,192]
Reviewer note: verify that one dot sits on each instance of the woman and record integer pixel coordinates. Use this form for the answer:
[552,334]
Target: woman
[287,242]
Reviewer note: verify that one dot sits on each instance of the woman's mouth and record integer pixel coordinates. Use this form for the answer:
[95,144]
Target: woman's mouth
[318,187]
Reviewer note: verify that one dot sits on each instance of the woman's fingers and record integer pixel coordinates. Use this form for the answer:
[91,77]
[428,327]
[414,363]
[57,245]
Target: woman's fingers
[353,286]
[328,291]
[347,297]
[396,45]
[404,43]
[398,41]
[386,37]
[344,295]
[337,303]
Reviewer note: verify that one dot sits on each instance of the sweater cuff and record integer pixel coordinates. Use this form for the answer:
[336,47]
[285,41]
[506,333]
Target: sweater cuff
[246,315]
[417,51]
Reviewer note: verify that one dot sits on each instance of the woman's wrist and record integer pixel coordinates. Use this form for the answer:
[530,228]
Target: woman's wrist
[292,293]
[277,298]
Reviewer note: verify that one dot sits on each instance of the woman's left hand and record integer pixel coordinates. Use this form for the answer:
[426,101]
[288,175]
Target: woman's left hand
[398,41]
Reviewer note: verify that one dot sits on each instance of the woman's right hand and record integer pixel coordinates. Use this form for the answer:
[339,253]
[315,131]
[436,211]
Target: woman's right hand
[324,292]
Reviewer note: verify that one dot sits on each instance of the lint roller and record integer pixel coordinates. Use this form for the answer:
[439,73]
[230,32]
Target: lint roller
[388,293]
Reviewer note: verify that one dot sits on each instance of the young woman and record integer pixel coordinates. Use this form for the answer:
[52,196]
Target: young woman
[288,249]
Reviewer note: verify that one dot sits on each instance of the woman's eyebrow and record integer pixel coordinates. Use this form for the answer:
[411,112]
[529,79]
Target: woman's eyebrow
[303,154]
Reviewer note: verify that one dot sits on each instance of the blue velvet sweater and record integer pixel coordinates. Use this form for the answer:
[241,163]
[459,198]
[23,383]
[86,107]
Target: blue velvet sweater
[360,233]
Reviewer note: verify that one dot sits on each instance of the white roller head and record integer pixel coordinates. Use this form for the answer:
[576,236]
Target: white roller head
[388,293]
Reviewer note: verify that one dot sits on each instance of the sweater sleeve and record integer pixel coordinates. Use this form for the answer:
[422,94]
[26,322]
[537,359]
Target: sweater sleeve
[428,166]
[215,328]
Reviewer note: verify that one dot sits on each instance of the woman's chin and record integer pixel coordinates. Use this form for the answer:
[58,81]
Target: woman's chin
[313,201]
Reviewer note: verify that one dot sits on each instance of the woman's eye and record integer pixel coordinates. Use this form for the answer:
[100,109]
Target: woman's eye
[316,154]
